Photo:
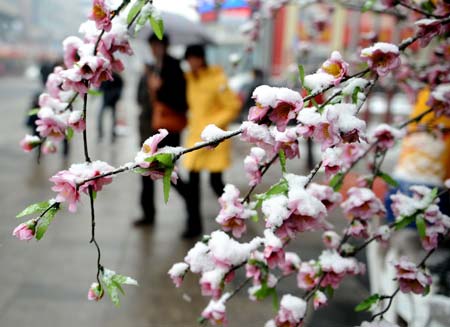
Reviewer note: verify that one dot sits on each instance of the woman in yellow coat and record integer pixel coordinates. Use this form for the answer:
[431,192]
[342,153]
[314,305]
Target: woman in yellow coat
[210,102]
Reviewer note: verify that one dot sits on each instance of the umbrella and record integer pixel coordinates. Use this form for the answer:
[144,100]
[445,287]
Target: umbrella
[181,30]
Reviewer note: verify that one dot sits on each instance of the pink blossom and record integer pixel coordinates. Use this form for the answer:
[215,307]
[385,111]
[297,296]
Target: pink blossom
[358,229]
[381,57]
[292,311]
[337,267]
[71,45]
[411,278]
[287,104]
[215,312]
[25,231]
[253,163]
[150,145]
[287,141]
[48,147]
[177,273]
[211,283]
[383,233]
[265,97]
[29,142]
[95,292]
[362,203]
[319,299]
[258,135]
[331,161]
[102,14]
[386,136]
[150,148]
[389,3]
[73,81]
[308,119]
[76,121]
[273,250]
[50,124]
[329,198]
[66,186]
[290,264]
[351,152]
[428,29]
[327,134]
[331,239]
[255,266]
[54,82]
[335,66]
[307,277]
[233,214]
[440,100]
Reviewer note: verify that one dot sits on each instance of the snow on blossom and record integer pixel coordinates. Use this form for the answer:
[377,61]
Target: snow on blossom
[25,231]
[350,127]
[307,276]
[71,45]
[66,181]
[211,283]
[95,292]
[352,84]
[308,119]
[278,105]
[199,258]
[76,121]
[331,161]
[337,267]
[440,100]
[233,213]
[258,135]
[292,311]
[335,66]
[386,136]
[428,29]
[291,263]
[177,272]
[410,277]
[212,133]
[29,142]
[319,299]
[331,239]
[383,233]
[102,13]
[253,163]
[351,152]
[275,209]
[51,124]
[254,267]
[358,229]
[273,249]
[227,252]
[318,81]
[215,312]
[48,147]
[382,57]
[329,198]
[286,141]
[362,203]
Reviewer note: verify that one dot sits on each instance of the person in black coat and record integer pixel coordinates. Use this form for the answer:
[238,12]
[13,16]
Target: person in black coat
[112,91]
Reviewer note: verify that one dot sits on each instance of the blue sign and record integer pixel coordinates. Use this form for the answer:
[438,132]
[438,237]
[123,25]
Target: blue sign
[206,6]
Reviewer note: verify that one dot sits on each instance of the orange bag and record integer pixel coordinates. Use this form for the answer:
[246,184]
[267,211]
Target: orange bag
[165,117]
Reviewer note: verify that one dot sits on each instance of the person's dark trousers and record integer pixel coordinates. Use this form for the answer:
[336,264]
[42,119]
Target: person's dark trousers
[194,222]
[100,121]
[147,199]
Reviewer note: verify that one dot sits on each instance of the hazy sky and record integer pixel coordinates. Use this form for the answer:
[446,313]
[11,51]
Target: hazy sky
[182,7]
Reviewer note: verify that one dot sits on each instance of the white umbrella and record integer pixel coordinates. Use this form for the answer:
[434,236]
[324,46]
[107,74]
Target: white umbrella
[181,30]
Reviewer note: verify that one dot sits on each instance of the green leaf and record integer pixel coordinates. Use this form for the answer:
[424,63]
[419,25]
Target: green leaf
[166,159]
[264,291]
[421,226]
[434,193]
[255,218]
[301,72]
[33,111]
[405,221]
[157,26]
[94,195]
[166,183]
[329,291]
[134,10]
[337,181]
[34,208]
[282,156]
[94,92]
[368,5]
[279,188]
[275,302]
[69,133]
[113,285]
[388,179]
[368,303]
[355,94]
[45,221]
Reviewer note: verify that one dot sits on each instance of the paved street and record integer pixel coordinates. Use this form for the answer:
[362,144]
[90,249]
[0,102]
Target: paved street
[45,283]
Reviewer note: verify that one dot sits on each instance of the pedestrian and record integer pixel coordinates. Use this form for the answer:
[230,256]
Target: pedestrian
[210,102]
[162,98]
[112,91]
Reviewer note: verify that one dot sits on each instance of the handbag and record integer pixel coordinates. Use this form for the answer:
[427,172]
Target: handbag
[165,117]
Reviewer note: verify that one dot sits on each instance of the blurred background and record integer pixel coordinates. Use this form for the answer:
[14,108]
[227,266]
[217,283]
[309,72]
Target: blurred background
[45,284]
